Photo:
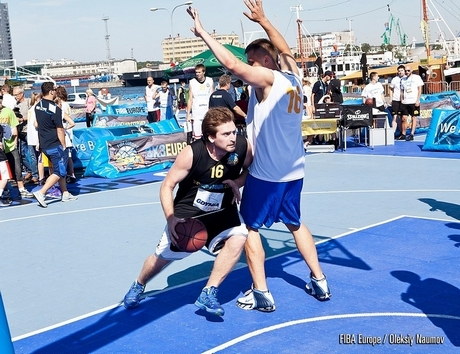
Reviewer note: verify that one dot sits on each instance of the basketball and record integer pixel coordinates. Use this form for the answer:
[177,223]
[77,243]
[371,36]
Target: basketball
[369,101]
[192,235]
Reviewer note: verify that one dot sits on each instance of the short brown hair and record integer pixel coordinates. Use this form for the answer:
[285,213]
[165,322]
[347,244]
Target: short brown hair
[264,47]
[214,118]
[225,80]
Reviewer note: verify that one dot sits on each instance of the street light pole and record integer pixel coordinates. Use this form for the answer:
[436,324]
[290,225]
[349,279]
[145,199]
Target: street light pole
[171,13]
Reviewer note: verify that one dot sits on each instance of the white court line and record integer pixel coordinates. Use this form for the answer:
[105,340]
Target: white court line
[385,191]
[322,318]
[152,203]
[78,211]
[155,292]
[371,155]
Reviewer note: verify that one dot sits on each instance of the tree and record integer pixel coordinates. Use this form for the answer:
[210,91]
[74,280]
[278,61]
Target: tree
[366,48]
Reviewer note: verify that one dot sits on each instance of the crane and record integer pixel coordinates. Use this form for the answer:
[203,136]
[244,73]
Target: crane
[389,28]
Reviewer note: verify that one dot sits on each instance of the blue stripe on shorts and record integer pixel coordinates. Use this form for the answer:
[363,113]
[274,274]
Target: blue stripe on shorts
[264,203]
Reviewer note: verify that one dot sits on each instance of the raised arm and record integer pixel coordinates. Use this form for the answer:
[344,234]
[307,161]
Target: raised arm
[257,15]
[254,76]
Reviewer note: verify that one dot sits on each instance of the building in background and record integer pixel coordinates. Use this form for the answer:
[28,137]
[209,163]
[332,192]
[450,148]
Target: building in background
[185,48]
[6,48]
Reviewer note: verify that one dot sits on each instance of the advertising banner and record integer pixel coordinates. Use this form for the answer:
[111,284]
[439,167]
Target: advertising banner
[444,132]
[139,108]
[137,153]
[105,120]
[319,126]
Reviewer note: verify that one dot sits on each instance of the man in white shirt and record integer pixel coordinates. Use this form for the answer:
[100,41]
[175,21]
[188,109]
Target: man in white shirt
[150,93]
[8,100]
[199,90]
[395,95]
[410,109]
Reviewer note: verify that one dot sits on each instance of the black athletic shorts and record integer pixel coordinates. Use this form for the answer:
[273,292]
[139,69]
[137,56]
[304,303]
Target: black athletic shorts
[410,109]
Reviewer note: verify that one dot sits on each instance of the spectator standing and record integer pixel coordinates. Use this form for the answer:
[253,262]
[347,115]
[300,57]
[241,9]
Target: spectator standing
[153,109]
[272,190]
[199,90]
[410,108]
[7,117]
[32,137]
[320,88]
[221,97]
[5,171]
[27,154]
[335,89]
[374,89]
[396,85]
[8,100]
[166,98]
[90,107]
[307,91]
[182,102]
[52,142]
[68,124]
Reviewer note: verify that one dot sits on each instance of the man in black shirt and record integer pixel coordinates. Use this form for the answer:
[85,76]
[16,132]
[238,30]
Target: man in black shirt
[51,137]
[221,97]
[209,172]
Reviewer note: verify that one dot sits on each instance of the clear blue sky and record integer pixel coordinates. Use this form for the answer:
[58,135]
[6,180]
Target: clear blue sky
[74,29]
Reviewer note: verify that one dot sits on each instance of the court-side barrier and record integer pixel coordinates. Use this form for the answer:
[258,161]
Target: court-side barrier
[6,346]
[153,147]
[444,131]
[86,140]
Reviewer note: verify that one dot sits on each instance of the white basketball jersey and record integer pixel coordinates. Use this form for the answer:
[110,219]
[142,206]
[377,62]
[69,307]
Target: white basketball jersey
[274,130]
[201,93]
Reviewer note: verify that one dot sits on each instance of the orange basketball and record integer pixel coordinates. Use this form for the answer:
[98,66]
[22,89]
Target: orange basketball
[369,101]
[192,235]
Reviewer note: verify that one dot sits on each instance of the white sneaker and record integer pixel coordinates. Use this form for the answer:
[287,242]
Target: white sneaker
[40,199]
[254,299]
[67,197]
[318,288]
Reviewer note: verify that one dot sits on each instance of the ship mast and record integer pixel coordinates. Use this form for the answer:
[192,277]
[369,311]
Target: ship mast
[425,29]
[299,34]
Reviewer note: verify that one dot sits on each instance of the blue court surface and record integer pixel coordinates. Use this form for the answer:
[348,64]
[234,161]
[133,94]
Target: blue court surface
[387,226]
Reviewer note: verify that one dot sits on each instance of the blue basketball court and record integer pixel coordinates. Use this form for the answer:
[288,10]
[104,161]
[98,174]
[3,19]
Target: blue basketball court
[387,226]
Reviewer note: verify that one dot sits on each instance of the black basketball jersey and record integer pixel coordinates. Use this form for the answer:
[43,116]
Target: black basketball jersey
[202,191]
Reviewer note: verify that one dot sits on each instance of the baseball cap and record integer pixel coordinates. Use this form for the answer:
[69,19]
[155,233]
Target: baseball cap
[328,73]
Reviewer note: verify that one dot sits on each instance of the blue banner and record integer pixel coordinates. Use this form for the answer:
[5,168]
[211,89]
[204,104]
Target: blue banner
[139,108]
[444,132]
[116,157]
[86,139]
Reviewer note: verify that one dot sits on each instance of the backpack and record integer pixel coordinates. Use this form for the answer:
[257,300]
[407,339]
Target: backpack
[5,131]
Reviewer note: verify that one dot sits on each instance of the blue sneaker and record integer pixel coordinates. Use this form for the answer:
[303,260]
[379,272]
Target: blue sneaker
[207,301]
[133,297]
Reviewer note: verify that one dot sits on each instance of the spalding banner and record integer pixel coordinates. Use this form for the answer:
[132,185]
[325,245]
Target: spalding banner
[358,116]
[444,132]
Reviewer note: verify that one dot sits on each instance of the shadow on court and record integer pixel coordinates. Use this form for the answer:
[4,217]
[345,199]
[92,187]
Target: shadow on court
[452,210]
[433,296]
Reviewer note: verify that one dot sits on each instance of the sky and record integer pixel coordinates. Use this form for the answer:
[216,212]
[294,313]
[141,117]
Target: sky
[74,29]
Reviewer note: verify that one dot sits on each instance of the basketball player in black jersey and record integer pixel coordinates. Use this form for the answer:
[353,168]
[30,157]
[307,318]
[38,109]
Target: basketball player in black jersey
[209,173]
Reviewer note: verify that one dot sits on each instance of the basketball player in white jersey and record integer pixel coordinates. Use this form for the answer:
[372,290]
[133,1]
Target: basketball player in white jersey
[273,186]
[199,90]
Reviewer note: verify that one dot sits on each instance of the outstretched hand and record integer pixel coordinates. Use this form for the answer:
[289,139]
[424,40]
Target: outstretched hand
[235,190]
[257,12]
[198,26]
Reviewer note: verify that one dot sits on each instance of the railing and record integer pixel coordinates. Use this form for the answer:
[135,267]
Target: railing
[428,87]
